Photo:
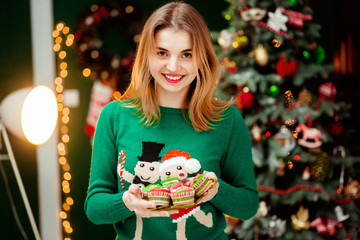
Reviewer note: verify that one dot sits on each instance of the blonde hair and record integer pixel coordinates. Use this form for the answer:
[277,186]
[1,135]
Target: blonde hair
[203,109]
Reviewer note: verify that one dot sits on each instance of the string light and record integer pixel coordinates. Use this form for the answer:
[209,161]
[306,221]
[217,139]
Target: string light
[61,36]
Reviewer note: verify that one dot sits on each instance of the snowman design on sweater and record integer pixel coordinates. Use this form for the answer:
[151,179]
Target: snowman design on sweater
[147,168]
[175,163]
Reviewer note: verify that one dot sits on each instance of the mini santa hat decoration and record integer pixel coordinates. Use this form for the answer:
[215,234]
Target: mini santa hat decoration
[177,157]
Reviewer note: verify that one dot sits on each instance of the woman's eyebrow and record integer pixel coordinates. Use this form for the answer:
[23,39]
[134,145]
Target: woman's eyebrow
[163,49]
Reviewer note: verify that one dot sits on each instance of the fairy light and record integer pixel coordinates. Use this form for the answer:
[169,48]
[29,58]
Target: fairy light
[61,35]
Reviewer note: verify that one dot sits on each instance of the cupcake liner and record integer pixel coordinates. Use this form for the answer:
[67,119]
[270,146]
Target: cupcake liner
[202,186]
[183,198]
[159,197]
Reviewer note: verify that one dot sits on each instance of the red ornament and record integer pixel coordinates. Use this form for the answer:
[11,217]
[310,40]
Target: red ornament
[335,128]
[327,91]
[325,226]
[296,18]
[311,136]
[286,68]
[245,100]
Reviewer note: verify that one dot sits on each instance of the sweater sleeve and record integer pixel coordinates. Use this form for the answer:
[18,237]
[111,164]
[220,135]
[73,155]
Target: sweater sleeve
[103,203]
[238,194]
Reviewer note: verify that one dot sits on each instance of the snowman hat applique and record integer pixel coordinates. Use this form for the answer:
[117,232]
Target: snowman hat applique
[178,157]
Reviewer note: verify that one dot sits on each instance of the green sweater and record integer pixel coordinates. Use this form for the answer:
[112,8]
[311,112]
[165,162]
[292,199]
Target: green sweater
[224,150]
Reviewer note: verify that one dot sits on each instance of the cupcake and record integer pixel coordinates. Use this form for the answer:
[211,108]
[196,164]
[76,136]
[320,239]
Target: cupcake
[145,190]
[200,183]
[160,196]
[182,195]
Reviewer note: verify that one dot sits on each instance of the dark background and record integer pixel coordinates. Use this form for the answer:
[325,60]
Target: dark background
[339,20]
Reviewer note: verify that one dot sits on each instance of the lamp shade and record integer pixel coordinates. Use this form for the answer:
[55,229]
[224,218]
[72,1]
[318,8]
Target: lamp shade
[30,113]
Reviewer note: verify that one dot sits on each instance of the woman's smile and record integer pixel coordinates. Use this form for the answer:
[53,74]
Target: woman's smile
[173,78]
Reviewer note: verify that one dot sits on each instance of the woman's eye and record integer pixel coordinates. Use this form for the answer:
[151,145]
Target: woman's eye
[187,55]
[142,165]
[162,54]
[152,168]
[168,173]
[179,167]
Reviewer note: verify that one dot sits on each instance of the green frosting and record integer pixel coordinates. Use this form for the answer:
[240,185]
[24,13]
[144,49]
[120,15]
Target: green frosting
[151,186]
[198,179]
[169,181]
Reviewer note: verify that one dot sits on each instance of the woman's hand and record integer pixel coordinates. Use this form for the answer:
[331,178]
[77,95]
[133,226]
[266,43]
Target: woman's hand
[212,191]
[134,202]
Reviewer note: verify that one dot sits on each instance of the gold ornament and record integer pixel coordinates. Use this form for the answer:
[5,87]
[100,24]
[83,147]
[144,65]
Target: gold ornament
[300,220]
[305,97]
[352,189]
[261,55]
[320,167]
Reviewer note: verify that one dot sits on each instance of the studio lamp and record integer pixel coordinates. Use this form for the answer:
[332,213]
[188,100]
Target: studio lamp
[31,114]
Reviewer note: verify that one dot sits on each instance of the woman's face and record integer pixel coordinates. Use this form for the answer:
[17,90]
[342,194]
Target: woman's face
[171,65]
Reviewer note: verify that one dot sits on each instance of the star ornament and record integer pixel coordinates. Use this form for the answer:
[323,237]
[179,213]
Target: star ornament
[277,20]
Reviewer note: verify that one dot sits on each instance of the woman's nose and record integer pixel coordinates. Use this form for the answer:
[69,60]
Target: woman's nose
[172,64]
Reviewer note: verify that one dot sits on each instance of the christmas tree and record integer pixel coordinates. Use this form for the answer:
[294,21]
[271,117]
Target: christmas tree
[276,72]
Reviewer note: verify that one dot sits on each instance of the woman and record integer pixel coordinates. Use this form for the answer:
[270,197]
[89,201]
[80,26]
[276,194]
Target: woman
[169,105]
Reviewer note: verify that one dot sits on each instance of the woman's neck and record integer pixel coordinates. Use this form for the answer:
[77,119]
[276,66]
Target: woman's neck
[168,100]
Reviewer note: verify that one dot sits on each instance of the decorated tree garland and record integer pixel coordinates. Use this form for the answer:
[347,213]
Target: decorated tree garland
[94,54]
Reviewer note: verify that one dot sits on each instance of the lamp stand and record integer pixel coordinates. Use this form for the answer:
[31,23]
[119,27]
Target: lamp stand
[11,157]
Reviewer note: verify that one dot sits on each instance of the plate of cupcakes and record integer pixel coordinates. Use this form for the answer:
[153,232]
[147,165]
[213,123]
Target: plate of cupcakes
[172,193]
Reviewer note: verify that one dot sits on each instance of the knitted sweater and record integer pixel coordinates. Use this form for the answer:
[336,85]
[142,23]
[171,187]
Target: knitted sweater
[120,138]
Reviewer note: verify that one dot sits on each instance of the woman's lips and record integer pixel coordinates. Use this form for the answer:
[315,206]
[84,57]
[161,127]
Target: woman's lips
[173,78]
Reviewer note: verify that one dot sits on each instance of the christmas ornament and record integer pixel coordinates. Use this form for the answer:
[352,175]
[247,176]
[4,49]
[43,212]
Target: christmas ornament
[289,100]
[336,150]
[319,54]
[321,165]
[262,211]
[245,100]
[252,14]
[305,97]
[277,20]
[261,55]
[284,68]
[295,18]
[256,133]
[229,65]
[325,226]
[300,220]
[101,95]
[352,189]
[276,43]
[226,38]
[340,214]
[327,91]
[285,139]
[306,174]
[277,227]
[274,90]
[240,41]
[335,128]
[291,125]
[311,137]
[306,55]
